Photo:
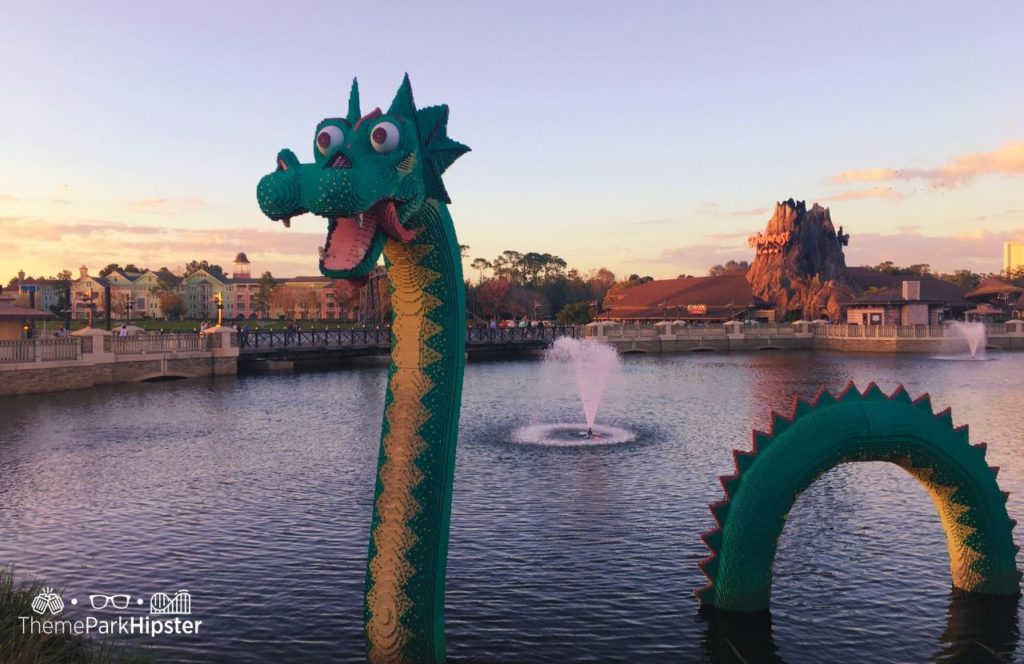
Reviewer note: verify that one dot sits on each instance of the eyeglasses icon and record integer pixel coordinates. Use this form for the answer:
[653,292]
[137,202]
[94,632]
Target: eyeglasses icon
[116,601]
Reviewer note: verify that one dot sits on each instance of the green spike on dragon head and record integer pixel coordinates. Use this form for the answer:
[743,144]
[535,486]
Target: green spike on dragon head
[370,175]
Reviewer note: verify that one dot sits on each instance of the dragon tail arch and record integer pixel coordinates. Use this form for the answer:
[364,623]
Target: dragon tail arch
[857,426]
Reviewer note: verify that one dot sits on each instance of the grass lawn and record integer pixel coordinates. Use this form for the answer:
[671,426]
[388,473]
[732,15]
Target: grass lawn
[18,648]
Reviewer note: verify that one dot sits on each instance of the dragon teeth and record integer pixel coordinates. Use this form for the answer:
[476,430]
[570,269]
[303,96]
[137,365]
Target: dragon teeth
[287,221]
[359,219]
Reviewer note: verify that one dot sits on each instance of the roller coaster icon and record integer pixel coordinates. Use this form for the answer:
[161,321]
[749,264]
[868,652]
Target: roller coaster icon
[163,604]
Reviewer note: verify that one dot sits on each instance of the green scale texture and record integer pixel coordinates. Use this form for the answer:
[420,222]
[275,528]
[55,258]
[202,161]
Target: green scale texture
[856,427]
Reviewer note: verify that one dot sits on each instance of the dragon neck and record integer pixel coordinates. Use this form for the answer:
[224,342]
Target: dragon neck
[409,531]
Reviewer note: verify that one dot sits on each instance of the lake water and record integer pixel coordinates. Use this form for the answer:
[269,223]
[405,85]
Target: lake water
[255,493]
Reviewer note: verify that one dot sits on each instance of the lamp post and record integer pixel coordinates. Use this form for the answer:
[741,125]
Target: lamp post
[128,311]
[664,308]
[536,310]
[89,300]
[218,300]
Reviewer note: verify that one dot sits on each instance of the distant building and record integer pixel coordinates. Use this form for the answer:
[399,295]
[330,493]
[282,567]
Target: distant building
[308,298]
[888,299]
[1013,256]
[16,321]
[43,294]
[994,298]
[799,270]
[693,299]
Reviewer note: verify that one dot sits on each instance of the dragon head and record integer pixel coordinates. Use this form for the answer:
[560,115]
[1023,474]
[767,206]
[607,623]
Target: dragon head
[372,173]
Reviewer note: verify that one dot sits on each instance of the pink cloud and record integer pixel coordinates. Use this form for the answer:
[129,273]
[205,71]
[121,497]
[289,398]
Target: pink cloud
[167,206]
[7,198]
[752,212]
[961,170]
[980,250]
[45,246]
[860,194]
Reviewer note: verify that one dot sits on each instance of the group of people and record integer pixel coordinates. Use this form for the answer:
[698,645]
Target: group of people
[520,323]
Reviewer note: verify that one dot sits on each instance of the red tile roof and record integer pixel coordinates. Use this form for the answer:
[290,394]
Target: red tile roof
[10,311]
[992,286]
[724,296]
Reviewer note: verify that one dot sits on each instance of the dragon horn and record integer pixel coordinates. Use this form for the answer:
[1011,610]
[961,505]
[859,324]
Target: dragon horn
[403,103]
[353,104]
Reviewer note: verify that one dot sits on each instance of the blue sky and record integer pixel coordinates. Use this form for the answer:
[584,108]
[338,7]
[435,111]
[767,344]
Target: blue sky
[650,138]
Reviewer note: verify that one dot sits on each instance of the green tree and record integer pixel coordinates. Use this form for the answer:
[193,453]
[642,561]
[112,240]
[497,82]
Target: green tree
[577,313]
[194,266]
[172,305]
[728,268]
[113,267]
[265,286]
[480,264]
[915,270]
[963,278]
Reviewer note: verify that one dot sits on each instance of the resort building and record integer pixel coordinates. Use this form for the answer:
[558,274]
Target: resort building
[994,298]
[691,299]
[888,299]
[799,272]
[88,293]
[43,294]
[16,321]
[1013,257]
[299,298]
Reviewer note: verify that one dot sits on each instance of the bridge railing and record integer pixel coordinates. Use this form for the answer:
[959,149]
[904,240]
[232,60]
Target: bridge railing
[158,343]
[314,338]
[266,339]
[40,350]
[488,335]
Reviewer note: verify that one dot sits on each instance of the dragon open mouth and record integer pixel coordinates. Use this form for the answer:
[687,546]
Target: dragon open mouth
[349,238]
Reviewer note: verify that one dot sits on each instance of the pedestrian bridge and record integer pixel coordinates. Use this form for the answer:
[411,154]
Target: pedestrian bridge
[307,344]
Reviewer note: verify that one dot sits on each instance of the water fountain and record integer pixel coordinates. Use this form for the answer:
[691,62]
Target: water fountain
[966,337]
[594,366]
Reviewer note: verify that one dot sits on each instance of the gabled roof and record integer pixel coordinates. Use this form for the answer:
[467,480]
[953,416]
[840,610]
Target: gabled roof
[724,295]
[213,274]
[993,286]
[100,280]
[11,311]
[932,289]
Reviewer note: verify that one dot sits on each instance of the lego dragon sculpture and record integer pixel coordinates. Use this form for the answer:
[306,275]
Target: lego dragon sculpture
[854,426]
[376,178]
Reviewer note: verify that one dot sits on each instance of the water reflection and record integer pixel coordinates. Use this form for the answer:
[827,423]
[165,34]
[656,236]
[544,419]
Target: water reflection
[738,638]
[979,628]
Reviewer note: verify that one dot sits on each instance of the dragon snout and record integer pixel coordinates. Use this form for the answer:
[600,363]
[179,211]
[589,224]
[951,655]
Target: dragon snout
[279,193]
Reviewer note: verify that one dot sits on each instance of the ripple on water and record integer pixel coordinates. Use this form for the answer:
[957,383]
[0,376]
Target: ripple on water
[255,494]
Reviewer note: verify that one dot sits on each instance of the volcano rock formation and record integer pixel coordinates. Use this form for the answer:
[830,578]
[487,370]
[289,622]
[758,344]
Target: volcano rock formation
[799,264]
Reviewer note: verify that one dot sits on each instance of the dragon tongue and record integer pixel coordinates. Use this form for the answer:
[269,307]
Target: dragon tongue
[386,217]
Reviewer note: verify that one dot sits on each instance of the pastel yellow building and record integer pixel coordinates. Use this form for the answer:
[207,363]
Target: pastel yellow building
[1013,256]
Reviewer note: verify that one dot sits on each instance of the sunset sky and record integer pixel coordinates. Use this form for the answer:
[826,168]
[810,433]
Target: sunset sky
[651,137]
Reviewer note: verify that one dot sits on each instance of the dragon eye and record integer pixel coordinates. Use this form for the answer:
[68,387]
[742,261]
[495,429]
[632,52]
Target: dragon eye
[328,137]
[384,137]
